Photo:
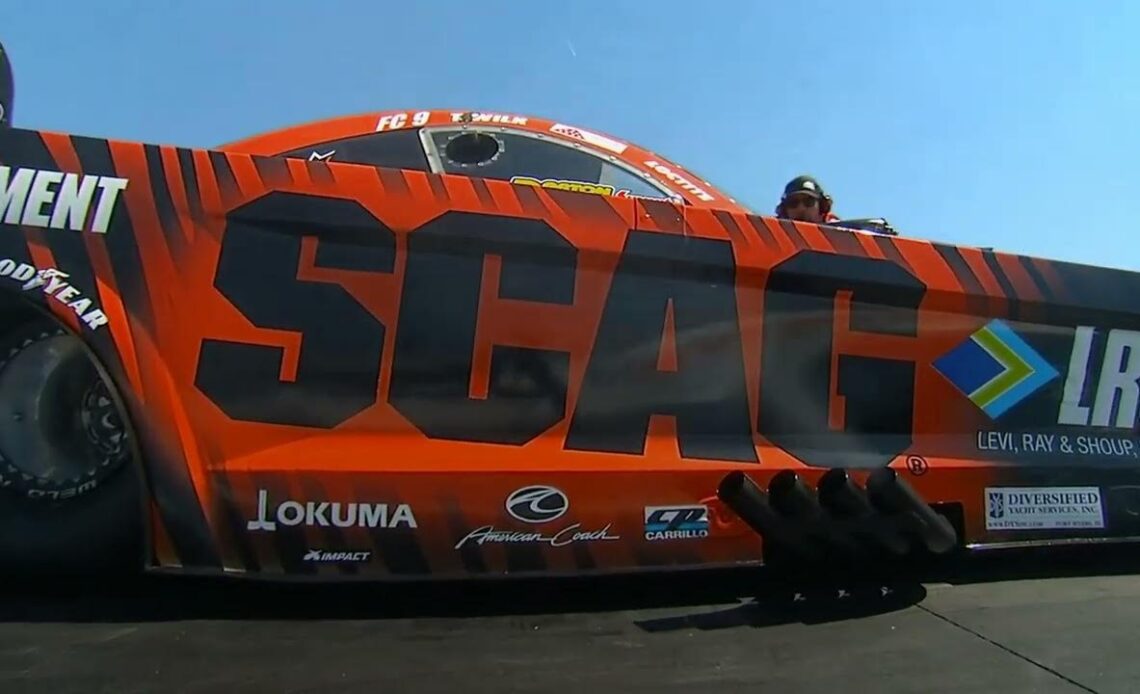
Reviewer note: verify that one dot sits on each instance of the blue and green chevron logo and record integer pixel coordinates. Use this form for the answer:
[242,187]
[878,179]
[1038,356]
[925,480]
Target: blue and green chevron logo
[995,368]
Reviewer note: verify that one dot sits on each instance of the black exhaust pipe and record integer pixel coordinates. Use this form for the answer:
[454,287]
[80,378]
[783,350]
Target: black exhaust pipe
[792,498]
[748,501]
[842,498]
[892,495]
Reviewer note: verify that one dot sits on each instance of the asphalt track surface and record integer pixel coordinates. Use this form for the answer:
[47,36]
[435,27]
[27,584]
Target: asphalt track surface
[1025,622]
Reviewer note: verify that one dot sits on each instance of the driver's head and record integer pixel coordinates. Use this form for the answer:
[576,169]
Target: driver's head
[804,200]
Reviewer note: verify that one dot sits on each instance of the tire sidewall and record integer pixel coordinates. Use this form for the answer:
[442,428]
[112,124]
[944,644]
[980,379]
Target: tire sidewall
[98,530]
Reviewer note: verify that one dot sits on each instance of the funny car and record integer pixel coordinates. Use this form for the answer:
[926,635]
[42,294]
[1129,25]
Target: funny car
[451,343]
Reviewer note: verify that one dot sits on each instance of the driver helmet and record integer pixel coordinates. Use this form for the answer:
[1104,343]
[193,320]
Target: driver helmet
[806,185]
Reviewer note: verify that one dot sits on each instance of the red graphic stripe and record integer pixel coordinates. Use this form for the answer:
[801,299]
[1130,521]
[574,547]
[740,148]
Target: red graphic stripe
[845,242]
[761,230]
[662,216]
[438,189]
[173,171]
[872,249]
[504,198]
[299,173]
[394,182]
[208,183]
[246,174]
[793,233]
[484,195]
[814,236]
[66,160]
[1053,279]
[891,250]
[319,173]
[728,222]
[43,258]
[996,299]
[532,203]
[461,192]
[158,266]
[110,299]
[584,206]
[1023,284]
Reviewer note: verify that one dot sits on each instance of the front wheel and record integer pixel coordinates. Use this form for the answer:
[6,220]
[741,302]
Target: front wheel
[69,493]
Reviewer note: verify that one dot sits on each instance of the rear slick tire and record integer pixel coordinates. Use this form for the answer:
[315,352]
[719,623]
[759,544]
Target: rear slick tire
[69,492]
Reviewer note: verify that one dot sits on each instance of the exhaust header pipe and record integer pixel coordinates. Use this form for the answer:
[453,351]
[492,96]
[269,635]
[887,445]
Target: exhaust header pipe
[795,501]
[838,515]
[892,495]
[748,501]
[847,503]
[792,498]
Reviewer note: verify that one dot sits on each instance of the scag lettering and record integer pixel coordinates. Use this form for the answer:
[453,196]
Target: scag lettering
[669,294]
[875,422]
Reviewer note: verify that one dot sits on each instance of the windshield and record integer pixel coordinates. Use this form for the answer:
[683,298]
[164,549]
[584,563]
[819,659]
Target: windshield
[398,149]
[531,160]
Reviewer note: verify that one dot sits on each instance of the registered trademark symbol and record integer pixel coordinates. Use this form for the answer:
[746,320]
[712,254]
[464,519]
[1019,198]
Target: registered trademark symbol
[917,465]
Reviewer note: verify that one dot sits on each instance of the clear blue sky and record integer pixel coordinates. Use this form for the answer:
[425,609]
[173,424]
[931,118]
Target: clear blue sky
[1014,124]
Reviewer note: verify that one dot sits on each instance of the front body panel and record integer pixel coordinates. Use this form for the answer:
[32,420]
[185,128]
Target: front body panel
[336,370]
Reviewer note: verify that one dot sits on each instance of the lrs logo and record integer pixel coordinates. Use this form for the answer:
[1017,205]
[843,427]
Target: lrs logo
[676,522]
[1116,388]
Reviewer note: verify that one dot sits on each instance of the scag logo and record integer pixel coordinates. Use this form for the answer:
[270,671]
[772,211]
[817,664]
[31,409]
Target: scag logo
[851,409]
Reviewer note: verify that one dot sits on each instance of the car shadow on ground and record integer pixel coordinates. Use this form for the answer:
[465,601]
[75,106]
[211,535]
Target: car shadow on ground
[707,599]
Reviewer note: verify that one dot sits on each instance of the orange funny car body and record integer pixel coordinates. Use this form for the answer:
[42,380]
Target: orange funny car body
[446,344]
